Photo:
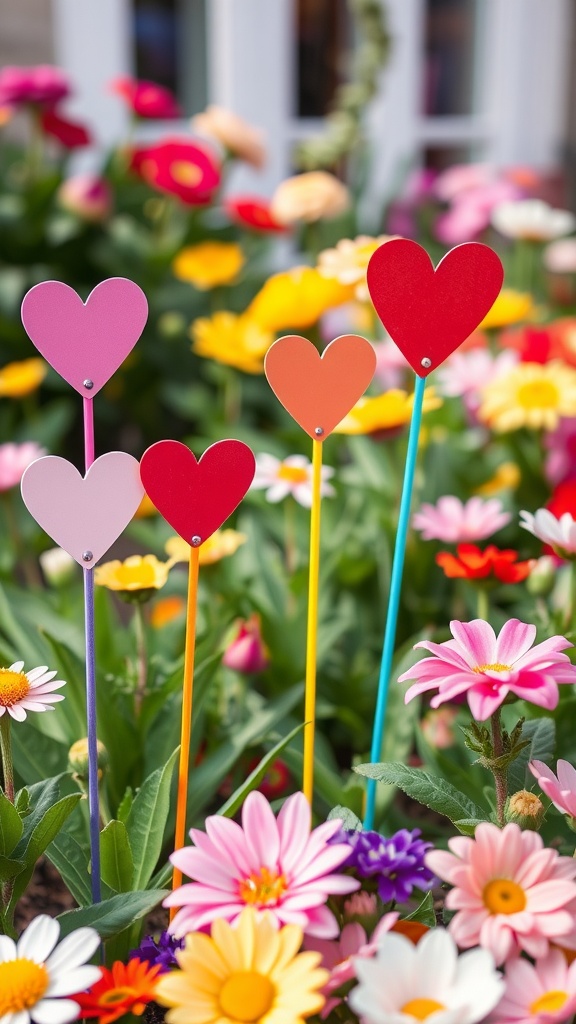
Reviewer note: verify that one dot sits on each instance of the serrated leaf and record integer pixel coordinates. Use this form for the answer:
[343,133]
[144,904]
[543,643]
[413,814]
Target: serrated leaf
[237,799]
[468,826]
[425,788]
[350,821]
[147,820]
[11,826]
[541,732]
[116,861]
[72,861]
[424,912]
[111,916]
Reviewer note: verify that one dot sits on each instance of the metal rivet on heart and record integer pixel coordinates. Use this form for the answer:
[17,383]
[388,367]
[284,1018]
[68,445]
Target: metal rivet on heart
[87,556]
[88,384]
[196,541]
[319,431]
[426,362]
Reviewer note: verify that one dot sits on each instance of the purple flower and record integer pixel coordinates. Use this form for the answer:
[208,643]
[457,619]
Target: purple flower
[159,951]
[396,864]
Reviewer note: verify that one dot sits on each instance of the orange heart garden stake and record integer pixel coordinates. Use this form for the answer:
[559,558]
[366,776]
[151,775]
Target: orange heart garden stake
[318,392]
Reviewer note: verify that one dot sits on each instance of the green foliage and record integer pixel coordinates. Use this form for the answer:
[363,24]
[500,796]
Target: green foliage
[430,790]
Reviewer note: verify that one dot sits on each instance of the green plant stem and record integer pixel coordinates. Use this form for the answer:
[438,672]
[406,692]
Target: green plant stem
[482,607]
[289,537]
[141,657]
[6,754]
[500,777]
[232,396]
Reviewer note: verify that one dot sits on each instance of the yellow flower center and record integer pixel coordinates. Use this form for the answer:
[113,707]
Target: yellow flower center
[550,1002]
[22,984]
[538,394]
[293,474]
[421,1008]
[263,888]
[185,173]
[14,686]
[246,996]
[116,995]
[496,666]
[503,896]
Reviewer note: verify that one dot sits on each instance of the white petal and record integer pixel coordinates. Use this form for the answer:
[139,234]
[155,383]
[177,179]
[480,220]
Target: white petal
[55,1011]
[39,939]
[75,949]
[75,980]
[7,948]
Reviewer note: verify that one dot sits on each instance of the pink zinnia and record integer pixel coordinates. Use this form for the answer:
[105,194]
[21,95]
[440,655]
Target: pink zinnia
[540,993]
[454,521]
[14,459]
[487,667]
[561,788]
[511,893]
[272,864]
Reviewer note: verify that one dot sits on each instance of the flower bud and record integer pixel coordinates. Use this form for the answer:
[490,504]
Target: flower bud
[78,759]
[247,652]
[86,195]
[525,809]
[438,727]
[58,566]
[542,578]
[361,904]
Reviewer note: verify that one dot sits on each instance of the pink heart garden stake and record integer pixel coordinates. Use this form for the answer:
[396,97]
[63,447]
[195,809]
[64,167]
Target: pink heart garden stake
[428,313]
[318,391]
[196,498]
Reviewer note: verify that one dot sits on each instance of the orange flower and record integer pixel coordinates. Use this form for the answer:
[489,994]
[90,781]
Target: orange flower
[127,988]
[166,610]
[471,563]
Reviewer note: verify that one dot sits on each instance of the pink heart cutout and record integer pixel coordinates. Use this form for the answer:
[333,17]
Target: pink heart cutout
[85,341]
[88,513]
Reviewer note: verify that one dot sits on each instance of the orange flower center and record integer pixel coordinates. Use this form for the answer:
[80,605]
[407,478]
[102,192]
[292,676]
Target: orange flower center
[496,666]
[293,474]
[246,996]
[538,394]
[22,985]
[14,686]
[550,1002]
[421,1008]
[263,888]
[185,173]
[503,896]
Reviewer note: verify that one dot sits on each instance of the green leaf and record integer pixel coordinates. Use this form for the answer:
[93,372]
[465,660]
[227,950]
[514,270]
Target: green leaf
[117,863]
[238,797]
[424,912]
[9,868]
[349,820]
[542,735]
[113,915]
[425,788]
[125,805]
[72,861]
[468,826]
[147,820]
[11,825]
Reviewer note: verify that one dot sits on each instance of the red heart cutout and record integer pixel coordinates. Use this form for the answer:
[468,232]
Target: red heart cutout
[196,497]
[427,312]
[319,391]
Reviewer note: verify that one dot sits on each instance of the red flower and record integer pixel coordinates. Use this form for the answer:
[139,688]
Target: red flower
[253,212]
[563,499]
[276,780]
[181,168]
[471,563]
[43,85]
[533,344]
[146,99]
[124,989]
[71,134]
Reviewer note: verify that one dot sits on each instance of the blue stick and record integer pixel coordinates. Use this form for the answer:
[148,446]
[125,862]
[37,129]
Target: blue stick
[394,596]
[93,798]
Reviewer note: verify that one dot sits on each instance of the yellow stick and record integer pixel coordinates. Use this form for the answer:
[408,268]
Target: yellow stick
[186,728]
[312,628]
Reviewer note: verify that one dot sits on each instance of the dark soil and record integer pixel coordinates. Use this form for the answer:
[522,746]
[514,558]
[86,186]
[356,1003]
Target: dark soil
[46,894]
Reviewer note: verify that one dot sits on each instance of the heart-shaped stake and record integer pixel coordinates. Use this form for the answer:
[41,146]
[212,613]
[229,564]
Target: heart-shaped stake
[83,515]
[85,342]
[427,312]
[196,497]
[319,391]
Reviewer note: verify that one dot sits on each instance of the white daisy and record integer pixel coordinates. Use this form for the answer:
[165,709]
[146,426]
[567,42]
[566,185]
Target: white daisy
[404,984]
[27,691]
[36,973]
[532,219]
[290,476]
[560,534]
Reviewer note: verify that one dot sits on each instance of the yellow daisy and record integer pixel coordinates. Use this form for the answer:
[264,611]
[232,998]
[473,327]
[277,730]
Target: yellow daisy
[506,477]
[237,341]
[384,412]
[533,395]
[138,572]
[209,264]
[251,973]
[219,545]
[19,379]
[348,261]
[511,307]
[297,298]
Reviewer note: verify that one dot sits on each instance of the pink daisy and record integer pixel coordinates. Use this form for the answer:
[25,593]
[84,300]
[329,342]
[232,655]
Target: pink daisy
[511,893]
[27,691]
[272,864]
[14,459]
[487,667]
[540,993]
[454,522]
[560,789]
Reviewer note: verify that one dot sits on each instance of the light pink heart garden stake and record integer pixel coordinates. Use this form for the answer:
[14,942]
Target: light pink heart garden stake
[83,514]
[85,342]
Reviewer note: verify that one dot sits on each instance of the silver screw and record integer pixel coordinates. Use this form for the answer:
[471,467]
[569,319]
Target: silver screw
[319,431]
[426,363]
[196,541]
[87,556]
[88,384]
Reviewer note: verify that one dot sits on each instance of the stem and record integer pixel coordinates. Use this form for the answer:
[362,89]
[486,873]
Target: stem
[571,616]
[482,607]
[141,657]
[499,774]
[232,396]
[289,538]
[6,755]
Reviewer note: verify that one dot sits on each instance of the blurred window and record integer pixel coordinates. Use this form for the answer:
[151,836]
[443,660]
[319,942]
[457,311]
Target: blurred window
[170,48]
[322,44]
[450,53]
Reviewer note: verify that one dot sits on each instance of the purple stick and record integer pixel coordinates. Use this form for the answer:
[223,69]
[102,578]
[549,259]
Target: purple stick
[93,796]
